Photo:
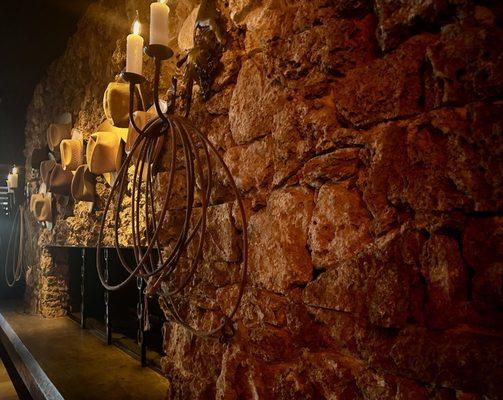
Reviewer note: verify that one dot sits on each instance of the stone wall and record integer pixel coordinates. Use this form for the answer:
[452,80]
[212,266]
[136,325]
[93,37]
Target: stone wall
[366,138]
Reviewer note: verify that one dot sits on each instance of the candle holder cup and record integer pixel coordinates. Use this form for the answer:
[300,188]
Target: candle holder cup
[132,78]
[158,51]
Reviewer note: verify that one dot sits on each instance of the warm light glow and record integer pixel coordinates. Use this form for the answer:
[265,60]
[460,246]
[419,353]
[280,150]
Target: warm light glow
[136,27]
[163,1]
[14,170]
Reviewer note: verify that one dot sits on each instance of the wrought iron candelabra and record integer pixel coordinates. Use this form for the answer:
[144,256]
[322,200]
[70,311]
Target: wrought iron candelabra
[159,267]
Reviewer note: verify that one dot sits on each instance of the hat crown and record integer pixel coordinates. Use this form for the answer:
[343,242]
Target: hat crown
[83,184]
[56,133]
[104,152]
[71,154]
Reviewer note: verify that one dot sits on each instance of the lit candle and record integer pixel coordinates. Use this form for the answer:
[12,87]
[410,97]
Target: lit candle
[159,13]
[9,183]
[134,45]
[13,180]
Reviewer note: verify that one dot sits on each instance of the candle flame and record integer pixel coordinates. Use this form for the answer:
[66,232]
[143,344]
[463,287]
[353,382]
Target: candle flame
[163,1]
[14,170]
[136,27]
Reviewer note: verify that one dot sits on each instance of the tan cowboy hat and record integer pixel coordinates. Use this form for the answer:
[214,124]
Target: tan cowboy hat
[33,198]
[56,133]
[104,152]
[116,104]
[72,153]
[83,184]
[140,118]
[42,207]
[106,126]
[60,181]
[46,168]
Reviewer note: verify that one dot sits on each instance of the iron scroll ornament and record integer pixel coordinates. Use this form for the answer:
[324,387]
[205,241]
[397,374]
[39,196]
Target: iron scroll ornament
[156,268]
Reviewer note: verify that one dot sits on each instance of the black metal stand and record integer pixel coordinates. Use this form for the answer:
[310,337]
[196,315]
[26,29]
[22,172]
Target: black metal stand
[106,296]
[83,290]
[140,284]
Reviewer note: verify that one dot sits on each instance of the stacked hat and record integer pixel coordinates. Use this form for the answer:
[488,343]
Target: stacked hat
[72,153]
[57,133]
[41,206]
[83,184]
[60,180]
[46,168]
[116,104]
[104,152]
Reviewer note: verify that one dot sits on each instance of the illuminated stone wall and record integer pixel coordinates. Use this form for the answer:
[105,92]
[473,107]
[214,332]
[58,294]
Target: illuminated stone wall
[366,138]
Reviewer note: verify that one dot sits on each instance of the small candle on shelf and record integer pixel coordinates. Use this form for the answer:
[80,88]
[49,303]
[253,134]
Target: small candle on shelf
[14,177]
[159,13]
[134,47]
[9,183]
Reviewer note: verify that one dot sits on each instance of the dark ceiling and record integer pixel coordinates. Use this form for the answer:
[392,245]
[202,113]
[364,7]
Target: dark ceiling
[33,33]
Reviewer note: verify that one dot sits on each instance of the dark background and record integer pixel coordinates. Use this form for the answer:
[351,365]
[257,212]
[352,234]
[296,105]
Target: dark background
[32,35]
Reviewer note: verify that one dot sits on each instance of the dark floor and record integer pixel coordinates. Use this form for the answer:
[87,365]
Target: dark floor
[79,364]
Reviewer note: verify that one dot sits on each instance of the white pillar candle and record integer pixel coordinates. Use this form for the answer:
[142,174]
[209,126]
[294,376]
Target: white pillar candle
[159,13]
[134,46]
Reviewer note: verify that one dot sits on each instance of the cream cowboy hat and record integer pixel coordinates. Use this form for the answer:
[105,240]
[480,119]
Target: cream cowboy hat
[42,208]
[106,126]
[60,181]
[116,104]
[72,153]
[104,152]
[46,168]
[56,133]
[83,184]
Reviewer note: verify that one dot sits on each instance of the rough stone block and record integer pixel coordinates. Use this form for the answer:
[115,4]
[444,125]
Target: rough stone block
[447,281]
[465,65]
[278,237]
[332,167]
[483,251]
[374,285]
[340,225]
[397,20]
[387,88]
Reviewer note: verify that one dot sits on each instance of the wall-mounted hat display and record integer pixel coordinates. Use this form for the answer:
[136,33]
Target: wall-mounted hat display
[39,155]
[46,168]
[83,184]
[104,152]
[56,133]
[72,153]
[60,181]
[116,104]
[42,207]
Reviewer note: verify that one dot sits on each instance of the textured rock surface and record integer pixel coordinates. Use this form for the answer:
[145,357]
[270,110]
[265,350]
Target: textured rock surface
[367,139]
